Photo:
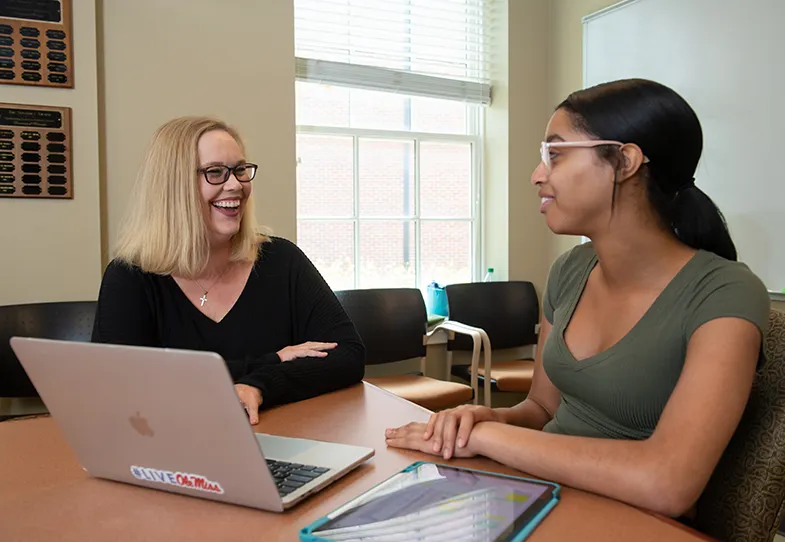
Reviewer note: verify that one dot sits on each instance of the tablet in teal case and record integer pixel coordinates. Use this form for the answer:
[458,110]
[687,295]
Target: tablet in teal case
[435,500]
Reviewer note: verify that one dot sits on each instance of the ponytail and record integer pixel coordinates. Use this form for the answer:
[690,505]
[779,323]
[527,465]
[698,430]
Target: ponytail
[695,219]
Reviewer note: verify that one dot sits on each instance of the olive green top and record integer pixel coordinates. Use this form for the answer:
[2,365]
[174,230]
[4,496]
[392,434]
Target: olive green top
[621,392]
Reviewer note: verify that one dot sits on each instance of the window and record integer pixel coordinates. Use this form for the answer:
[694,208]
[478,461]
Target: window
[389,147]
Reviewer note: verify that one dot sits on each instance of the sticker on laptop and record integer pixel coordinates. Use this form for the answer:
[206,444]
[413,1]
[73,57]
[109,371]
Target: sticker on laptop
[179,479]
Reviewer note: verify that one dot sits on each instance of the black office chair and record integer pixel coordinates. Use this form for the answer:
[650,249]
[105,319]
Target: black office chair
[69,321]
[508,312]
[392,323]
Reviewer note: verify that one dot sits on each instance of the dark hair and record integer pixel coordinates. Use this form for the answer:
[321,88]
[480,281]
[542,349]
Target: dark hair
[668,131]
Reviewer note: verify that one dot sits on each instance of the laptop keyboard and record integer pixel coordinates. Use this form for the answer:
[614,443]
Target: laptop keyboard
[292,476]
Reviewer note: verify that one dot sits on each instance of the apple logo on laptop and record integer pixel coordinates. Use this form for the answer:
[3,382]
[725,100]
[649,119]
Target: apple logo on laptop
[141,425]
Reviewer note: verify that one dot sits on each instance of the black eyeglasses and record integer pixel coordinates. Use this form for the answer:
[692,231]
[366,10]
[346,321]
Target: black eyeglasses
[219,174]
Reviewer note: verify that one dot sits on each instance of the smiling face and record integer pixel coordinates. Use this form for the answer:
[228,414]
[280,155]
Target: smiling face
[224,203]
[577,190]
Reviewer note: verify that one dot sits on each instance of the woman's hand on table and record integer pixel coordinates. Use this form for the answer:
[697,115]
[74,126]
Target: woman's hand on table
[251,399]
[412,437]
[447,433]
[305,350]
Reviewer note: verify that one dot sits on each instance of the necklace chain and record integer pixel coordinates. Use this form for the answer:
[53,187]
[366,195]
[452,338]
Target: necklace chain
[203,299]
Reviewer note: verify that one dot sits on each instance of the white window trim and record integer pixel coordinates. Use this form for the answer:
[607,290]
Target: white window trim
[475,125]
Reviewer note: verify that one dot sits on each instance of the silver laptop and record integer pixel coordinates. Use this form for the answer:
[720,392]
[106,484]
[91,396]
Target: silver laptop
[170,420]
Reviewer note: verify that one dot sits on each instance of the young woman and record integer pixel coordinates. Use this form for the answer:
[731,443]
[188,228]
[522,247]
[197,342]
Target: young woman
[192,272]
[651,332]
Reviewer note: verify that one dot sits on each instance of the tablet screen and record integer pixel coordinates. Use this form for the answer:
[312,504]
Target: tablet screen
[437,502]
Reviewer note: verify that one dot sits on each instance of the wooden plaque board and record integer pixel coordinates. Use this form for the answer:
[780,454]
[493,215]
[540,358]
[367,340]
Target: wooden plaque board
[35,151]
[35,43]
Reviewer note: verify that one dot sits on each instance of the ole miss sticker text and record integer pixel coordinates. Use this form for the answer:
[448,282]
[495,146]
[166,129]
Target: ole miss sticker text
[179,479]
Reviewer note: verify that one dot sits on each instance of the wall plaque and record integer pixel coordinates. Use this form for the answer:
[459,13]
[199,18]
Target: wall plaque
[35,151]
[35,43]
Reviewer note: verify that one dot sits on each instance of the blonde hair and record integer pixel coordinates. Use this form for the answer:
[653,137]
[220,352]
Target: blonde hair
[164,231]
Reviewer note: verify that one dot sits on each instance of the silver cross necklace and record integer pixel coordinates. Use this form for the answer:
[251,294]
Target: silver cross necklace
[203,299]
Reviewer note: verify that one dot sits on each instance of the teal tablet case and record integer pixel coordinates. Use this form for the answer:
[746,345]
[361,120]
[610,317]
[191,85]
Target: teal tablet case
[306,533]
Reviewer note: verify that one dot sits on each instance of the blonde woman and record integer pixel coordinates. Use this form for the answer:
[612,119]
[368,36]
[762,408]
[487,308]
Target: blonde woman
[191,272]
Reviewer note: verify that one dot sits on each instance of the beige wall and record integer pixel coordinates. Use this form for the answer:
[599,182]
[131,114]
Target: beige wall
[566,61]
[543,65]
[517,241]
[234,60]
[566,44]
[51,248]
[496,166]
[137,65]
[529,112]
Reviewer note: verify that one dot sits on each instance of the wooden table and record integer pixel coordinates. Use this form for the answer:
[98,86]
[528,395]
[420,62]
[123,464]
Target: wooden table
[45,495]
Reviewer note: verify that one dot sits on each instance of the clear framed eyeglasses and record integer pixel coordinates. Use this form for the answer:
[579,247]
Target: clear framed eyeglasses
[546,146]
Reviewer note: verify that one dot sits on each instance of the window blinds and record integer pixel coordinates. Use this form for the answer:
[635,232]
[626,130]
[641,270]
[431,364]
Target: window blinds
[433,48]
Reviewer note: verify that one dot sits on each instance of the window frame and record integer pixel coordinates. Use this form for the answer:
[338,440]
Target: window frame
[474,137]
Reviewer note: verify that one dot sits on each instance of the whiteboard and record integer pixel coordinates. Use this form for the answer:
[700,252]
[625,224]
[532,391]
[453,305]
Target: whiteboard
[727,59]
